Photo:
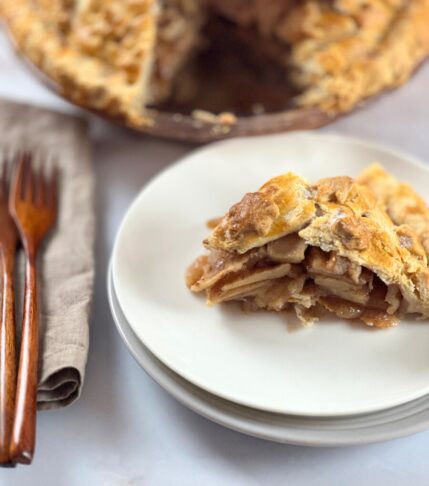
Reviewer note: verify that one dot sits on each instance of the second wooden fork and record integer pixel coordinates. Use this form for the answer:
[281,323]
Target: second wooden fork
[33,205]
[8,243]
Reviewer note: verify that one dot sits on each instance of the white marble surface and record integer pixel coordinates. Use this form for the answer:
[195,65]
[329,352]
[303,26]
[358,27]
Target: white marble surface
[125,430]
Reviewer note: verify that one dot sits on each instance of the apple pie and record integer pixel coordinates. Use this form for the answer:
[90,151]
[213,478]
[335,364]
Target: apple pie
[121,56]
[329,247]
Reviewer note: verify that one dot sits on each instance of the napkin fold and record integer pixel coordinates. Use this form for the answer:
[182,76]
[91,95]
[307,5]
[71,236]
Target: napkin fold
[66,268]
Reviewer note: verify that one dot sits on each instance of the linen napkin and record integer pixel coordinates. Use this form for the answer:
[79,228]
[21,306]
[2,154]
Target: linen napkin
[66,266]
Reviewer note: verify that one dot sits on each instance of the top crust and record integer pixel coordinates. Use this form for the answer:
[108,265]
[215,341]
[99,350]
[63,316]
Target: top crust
[281,206]
[390,41]
[336,214]
[41,33]
[402,203]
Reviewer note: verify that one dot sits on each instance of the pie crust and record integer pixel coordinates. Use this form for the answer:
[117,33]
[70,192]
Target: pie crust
[113,56]
[120,56]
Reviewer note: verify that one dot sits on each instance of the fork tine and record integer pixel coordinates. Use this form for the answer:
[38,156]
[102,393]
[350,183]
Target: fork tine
[52,197]
[40,189]
[17,186]
[29,183]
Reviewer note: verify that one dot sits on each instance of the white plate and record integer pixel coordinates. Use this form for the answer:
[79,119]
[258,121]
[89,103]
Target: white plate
[334,368]
[389,424]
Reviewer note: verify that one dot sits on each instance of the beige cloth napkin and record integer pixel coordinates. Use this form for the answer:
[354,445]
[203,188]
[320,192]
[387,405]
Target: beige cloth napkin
[67,262]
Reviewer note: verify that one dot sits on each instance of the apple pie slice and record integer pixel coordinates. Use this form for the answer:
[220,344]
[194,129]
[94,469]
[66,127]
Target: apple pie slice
[326,247]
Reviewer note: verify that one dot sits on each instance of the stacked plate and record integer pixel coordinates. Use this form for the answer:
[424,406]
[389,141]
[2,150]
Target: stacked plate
[336,383]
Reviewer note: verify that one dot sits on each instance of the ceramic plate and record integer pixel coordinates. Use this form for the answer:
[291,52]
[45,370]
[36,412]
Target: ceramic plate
[396,422]
[258,360]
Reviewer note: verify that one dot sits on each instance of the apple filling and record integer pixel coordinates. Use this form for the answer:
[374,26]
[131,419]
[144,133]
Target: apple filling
[289,274]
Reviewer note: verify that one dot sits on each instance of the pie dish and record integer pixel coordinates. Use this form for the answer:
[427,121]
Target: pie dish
[128,59]
[324,247]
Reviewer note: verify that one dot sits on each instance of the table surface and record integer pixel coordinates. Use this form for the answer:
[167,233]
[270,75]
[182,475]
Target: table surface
[127,431]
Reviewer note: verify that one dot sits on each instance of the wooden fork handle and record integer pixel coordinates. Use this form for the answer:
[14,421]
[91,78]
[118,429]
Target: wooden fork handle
[7,356]
[24,427]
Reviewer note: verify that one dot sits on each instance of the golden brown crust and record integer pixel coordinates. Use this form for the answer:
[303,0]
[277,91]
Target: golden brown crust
[83,78]
[387,47]
[351,239]
[402,203]
[281,206]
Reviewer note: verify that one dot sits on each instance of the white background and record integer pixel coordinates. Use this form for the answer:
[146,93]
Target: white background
[125,430]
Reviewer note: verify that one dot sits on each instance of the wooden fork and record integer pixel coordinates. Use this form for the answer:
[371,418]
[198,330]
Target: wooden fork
[8,242]
[33,204]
